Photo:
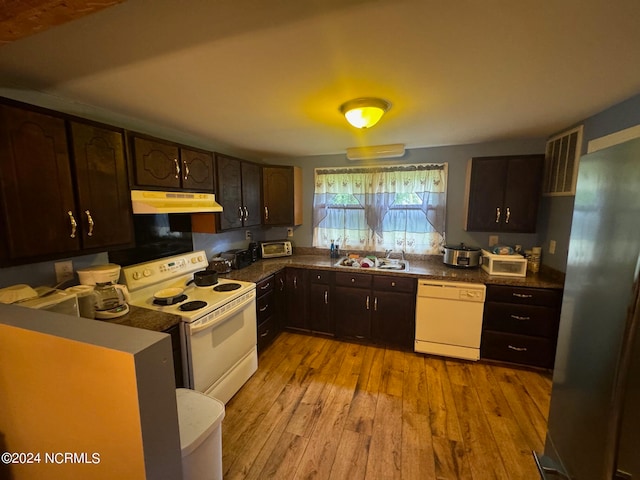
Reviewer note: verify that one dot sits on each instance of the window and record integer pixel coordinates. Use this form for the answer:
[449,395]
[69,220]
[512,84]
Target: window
[381,208]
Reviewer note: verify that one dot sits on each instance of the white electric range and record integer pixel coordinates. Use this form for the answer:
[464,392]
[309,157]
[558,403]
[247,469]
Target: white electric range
[218,329]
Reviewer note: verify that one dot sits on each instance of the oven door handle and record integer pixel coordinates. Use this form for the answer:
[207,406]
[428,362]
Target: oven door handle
[217,320]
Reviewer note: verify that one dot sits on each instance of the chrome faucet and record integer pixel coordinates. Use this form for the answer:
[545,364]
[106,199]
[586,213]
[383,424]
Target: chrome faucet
[388,254]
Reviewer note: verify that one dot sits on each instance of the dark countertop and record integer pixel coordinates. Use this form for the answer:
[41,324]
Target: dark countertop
[148,319]
[430,267]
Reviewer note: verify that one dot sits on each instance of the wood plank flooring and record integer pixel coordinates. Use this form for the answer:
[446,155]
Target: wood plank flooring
[324,409]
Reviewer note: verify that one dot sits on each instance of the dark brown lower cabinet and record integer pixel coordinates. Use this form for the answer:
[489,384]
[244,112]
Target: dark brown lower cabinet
[295,294]
[520,325]
[320,302]
[394,311]
[266,312]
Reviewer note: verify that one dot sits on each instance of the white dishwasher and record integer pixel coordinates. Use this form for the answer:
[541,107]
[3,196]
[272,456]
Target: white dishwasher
[449,318]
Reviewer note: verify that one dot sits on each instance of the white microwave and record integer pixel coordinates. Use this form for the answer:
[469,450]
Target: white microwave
[58,302]
[275,249]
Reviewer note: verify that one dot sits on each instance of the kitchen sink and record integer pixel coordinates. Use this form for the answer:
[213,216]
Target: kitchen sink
[373,263]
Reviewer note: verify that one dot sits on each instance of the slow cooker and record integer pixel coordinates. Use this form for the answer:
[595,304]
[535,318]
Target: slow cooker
[462,256]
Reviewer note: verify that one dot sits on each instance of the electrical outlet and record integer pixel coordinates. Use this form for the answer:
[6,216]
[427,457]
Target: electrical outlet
[247,235]
[289,231]
[493,240]
[552,247]
[64,270]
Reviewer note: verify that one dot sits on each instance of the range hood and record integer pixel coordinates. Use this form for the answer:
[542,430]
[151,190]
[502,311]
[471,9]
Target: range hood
[146,201]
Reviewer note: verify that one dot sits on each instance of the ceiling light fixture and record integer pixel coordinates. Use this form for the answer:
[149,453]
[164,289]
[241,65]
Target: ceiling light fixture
[364,112]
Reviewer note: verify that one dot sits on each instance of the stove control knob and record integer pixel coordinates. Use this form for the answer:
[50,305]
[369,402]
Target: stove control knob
[146,272]
[200,258]
[136,275]
[194,259]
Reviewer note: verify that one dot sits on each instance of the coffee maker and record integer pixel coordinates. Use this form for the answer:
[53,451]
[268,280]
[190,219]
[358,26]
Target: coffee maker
[110,297]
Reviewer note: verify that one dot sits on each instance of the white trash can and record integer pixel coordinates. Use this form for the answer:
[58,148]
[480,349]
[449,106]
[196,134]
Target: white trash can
[199,420]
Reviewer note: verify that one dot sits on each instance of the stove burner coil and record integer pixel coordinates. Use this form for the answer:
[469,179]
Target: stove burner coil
[163,302]
[191,306]
[227,287]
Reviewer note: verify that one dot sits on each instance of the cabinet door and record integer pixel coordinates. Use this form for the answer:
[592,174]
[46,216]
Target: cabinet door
[102,185]
[197,170]
[156,164]
[394,310]
[35,185]
[486,194]
[319,302]
[522,194]
[251,188]
[295,294]
[352,312]
[393,318]
[280,300]
[278,195]
[229,177]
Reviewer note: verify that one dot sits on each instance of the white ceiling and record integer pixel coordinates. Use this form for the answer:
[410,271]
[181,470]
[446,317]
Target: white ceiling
[267,76]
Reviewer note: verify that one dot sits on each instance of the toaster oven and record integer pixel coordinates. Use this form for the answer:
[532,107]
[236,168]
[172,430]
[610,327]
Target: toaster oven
[275,249]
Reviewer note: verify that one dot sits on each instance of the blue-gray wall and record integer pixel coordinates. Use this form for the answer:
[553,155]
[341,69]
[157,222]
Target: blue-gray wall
[554,217]
[556,212]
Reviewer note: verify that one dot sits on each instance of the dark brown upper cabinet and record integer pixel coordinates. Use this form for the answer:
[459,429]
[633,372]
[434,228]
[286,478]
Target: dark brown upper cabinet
[158,164]
[281,195]
[503,193]
[63,186]
[238,191]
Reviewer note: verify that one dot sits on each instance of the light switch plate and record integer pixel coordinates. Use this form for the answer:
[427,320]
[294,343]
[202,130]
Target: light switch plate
[493,240]
[552,247]
[289,231]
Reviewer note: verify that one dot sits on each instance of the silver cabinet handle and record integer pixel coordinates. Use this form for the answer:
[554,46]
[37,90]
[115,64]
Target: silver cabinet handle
[497,215]
[517,349]
[264,309]
[326,297]
[518,317]
[506,219]
[266,213]
[240,212]
[522,295]
[375,304]
[264,287]
[295,282]
[91,222]
[281,284]
[264,334]
[367,302]
[175,160]
[74,224]
[246,212]
[353,280]
[186,169]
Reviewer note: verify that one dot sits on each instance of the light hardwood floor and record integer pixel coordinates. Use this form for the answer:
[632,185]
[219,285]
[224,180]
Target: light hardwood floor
[324,409]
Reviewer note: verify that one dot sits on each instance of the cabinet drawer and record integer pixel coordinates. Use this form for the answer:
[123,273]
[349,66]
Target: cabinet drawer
[521,319]
[264,307]
[527,296]
[265,285]
[360,280]
[319,276]
[507,347]
[394,284]
[266,333]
